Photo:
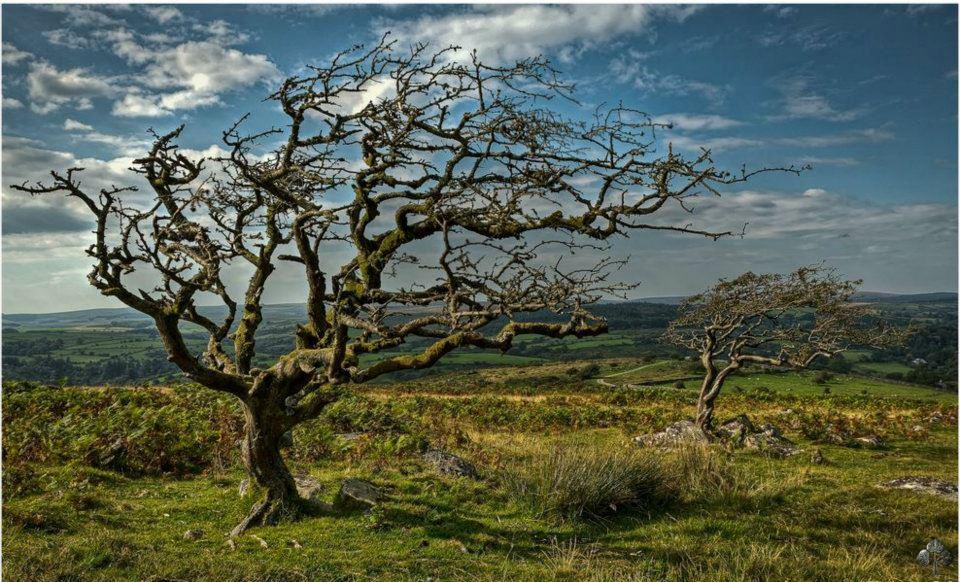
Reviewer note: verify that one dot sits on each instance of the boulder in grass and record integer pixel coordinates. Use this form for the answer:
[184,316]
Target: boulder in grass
[308,487]
[927,485]
[357,493]
[736,429]
[769,440]
[680,433]
[450,464]
[872,441]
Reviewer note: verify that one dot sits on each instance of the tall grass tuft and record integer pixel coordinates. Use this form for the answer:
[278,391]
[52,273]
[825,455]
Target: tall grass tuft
[588,481]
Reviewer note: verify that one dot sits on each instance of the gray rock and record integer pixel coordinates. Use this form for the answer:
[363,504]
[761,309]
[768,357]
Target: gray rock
[871,441]
[193,534]
[308,487]
[770,441]
[450,464]
[736,429]
[927,485]
[349,436]
[677,434]
[244,488]
[817,457]
[357,493]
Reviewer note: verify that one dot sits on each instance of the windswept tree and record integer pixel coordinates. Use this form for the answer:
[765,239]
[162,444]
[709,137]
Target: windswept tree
[774,320]
[423,195]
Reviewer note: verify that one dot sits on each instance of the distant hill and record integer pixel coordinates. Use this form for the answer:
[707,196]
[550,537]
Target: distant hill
[126,317]
[865,296]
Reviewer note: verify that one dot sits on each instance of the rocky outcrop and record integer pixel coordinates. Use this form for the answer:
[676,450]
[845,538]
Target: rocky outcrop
[680,433]
[450,464]
[770,441]
[928,485]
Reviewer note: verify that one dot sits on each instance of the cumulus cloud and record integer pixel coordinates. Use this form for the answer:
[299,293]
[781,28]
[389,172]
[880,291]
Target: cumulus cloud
[880,243]
[199,70]
[507,33]
[26,160]
[163,14]
[74,125]
[68,38]
[50,88]
[13,56]
[11,103]
[694,122]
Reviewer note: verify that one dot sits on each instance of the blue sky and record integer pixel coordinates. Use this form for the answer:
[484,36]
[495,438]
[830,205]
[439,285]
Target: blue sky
[865,94]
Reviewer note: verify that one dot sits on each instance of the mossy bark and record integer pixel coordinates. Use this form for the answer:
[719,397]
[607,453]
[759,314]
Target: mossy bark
[264,430]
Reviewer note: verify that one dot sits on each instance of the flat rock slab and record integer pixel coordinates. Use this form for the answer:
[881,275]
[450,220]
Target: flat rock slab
[357,493]
[927,485]
[450,464]
[677,434]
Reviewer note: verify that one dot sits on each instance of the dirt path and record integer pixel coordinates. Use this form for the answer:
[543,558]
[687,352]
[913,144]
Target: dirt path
[603,381]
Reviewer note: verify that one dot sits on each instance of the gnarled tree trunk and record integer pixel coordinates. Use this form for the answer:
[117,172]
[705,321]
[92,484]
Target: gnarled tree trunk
[264,431]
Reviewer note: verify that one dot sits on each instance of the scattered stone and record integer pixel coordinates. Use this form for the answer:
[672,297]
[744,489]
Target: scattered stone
[450,464]
[736,429]
[872,441]
[231,544]
[817,457]
[263,542]
[349,436]
[928,485]
[770,441]
[358,493]
[294,544]
[286,440]
[308,487]
[677,434]
[244,488]
[193,534]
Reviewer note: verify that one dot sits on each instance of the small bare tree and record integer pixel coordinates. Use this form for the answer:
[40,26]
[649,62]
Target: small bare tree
[453,168]
[773,320]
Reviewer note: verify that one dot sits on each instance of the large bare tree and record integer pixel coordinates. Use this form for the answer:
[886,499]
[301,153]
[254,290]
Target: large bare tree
[774,320]
[453,168]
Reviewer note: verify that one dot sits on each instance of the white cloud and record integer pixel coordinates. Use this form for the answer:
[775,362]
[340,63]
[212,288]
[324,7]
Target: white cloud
[800,102]
[163,14]
[11,103]
[869,135]
[809,38]
[715,144]
[200,70]
[50,88]
[74,125]
[68,38]
[12,56]
[818,161]
[628,70]
[694,122]
[508,33]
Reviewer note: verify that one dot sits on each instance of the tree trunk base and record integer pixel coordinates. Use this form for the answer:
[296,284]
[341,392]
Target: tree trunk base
[270,511]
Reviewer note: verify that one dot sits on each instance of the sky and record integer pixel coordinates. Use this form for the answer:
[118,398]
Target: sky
[866,95]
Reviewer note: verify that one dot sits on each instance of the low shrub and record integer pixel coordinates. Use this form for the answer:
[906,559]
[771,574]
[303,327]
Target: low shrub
[592,481]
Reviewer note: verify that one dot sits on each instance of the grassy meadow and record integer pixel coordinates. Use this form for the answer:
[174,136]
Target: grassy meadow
[563,494]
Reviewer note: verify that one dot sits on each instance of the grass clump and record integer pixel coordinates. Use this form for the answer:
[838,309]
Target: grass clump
[588,481]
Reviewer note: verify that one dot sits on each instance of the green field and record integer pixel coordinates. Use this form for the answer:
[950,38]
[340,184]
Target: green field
[760,519]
